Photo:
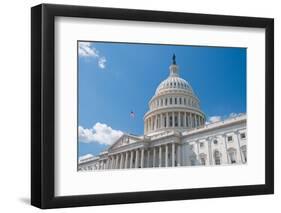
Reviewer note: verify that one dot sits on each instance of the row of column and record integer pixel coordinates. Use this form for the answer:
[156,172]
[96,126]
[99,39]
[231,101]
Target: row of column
[173,101]
[221,153]
[158,156]
[173,119]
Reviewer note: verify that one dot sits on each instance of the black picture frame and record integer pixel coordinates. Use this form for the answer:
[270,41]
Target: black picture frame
[43,102]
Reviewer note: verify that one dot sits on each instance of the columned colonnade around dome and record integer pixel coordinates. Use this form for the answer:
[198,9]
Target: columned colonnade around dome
[175,119]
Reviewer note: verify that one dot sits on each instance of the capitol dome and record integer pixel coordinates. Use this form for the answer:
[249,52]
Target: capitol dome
[174,105]
[174,83]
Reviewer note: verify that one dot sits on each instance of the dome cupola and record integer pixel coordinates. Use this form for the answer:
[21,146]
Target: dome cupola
[174,105]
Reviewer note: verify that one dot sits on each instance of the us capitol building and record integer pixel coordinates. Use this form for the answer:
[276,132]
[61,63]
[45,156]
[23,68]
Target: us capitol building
[175,134]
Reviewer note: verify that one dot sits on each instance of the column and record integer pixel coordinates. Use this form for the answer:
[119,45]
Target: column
[137,159]
[161,121]
[126,161]
[111,161]
[178,154]
[160,156]
[131,159]
[173,117]
[155,122]
[154,157]
[209,141]
[240,158]
[179,119]
[225,142]
[142,157]
[148,158]
[189,120]
[173,154]
[184,119]
[145,126]
[167,119]
[115,162]
[166,156]
[122,161]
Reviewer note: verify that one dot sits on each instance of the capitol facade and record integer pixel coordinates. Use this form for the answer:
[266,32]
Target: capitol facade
[175,134]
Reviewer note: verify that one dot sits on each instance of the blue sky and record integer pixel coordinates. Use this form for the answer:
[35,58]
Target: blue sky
[117,78]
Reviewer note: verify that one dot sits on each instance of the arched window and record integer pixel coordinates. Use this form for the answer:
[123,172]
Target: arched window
[232,155]
[203,158]
[217,157]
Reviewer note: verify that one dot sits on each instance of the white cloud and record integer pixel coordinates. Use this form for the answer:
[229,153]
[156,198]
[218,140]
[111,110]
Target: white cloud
[217,118]
[84,157]
[86,49]
[101,62]
[100,133]
[214,119]
[233,114]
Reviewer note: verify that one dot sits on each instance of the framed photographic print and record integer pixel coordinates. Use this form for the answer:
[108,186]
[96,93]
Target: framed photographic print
[139,106]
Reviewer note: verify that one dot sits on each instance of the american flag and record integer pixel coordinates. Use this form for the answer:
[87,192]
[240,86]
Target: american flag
[132,114]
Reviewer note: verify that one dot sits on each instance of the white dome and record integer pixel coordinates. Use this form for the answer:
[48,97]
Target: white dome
[174,83]
[174,106]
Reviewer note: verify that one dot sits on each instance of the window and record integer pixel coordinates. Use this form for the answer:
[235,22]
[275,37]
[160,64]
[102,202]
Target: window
[181,118]
[171,121]
[171,101]
[184,101]
[166,102]
[180,101]
[161,102]
[229,138]
[203,161]
[176,120]
[201,144]
[232,155]
[175,100]
[175,84]
[243,136]
[217,157]
[215,142]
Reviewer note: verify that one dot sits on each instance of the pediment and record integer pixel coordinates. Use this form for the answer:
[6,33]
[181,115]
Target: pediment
[124,140]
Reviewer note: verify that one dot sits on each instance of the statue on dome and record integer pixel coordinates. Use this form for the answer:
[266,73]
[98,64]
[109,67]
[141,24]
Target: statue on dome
[174,59]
